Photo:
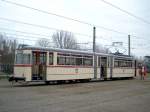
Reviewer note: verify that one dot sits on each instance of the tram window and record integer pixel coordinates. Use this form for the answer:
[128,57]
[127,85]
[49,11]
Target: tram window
[126,63]
[87,61]
[67,61]
[129,64]
[22,58]
[104,61]
[34,59]
[19,58]
[26,59]
[61,60]
[99,59]
[123,63]
[72,61]
[108,62]
[50,59]
[42,58]
[78,61]
[116,63]
[119,63]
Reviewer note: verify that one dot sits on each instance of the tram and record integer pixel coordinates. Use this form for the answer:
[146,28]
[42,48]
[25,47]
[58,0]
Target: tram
[49,64]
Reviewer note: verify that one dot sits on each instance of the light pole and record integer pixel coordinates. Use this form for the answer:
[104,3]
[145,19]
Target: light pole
[129,52]
[0,61]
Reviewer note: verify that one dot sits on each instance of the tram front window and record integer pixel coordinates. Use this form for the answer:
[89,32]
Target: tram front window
[19,58]
[26,58]
[22,58]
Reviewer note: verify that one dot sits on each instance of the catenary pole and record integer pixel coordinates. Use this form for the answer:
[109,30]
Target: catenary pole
[94,51]
[129,52]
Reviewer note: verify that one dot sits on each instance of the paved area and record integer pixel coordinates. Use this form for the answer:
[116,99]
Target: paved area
[109,96]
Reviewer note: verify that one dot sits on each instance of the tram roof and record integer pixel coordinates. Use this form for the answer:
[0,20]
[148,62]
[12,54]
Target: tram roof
[72,51]
[61,50]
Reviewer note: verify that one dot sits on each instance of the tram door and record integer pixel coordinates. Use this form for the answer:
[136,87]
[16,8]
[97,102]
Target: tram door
[103,67]
[39,65]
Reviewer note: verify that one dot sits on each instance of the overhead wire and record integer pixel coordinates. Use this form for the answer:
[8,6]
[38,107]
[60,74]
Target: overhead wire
[46,12]
[25,39]
[24,36]
[24,32]
[68,18]
[37,37]
[41,26]
[12,36]
[40,37]
[46,27]
[125,11]
[33,37]
[64,17]
[77,20]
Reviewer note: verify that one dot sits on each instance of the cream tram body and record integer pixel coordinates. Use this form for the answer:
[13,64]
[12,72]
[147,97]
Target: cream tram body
[46,64]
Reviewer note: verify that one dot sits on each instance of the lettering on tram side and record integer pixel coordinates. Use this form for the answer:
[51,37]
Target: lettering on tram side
[76,70]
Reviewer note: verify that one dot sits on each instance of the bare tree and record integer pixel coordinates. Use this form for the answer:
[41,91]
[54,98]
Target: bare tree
[43,42]
[7,49]
[7,52]
[65,40]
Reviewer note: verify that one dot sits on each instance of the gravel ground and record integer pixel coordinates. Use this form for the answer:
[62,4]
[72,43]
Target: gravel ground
[109,96]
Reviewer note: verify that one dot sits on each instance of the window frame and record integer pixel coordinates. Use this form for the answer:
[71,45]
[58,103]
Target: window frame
[73,59]
[23,59]
[124,63]
[52,58]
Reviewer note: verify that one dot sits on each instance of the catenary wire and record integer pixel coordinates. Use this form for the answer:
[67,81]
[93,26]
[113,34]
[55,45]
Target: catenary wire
[83,22]
[40,26]
[64,17]
[125,11]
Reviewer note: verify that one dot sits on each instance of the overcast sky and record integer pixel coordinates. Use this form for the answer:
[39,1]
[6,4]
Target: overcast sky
[91,11]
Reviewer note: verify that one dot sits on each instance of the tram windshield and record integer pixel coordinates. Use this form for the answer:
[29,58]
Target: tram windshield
[22,58]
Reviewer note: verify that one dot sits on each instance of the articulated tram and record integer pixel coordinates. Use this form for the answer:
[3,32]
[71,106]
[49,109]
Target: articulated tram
[48,64]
